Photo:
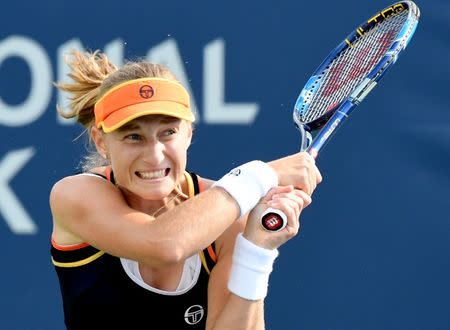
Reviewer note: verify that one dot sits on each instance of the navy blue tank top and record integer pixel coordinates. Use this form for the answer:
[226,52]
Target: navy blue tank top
[97,293]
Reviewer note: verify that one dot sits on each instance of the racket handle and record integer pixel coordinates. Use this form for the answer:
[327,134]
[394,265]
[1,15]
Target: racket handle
[273,220]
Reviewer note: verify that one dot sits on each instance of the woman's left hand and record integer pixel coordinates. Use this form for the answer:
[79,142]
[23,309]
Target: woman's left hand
[286,199]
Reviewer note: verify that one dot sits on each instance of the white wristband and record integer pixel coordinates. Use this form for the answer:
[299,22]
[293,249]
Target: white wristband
[250,270]
[248,183]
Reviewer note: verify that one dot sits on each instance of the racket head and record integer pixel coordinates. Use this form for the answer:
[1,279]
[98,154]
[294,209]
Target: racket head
[360,60]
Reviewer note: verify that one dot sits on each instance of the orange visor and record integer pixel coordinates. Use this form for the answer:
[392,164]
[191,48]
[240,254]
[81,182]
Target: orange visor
[140,97]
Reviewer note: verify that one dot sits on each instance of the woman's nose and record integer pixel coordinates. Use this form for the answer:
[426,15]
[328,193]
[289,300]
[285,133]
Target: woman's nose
[153,152]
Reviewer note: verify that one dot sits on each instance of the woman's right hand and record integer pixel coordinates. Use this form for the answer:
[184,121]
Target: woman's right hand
[298,170]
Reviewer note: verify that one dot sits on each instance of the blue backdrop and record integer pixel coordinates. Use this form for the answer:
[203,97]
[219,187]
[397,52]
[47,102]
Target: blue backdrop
[374,248]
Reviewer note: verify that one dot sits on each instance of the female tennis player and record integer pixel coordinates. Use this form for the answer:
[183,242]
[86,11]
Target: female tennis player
[139,242]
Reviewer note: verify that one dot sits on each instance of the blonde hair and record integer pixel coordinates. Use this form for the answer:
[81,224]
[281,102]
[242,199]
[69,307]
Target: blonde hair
[92,76]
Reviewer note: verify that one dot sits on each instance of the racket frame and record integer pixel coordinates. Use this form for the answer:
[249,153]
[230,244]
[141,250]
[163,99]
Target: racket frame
[333,119]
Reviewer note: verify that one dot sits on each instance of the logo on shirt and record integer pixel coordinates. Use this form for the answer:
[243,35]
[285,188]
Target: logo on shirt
[235,172]
[194,314]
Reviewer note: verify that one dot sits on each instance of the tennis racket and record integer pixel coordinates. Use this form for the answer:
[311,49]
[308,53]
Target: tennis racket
[345,78]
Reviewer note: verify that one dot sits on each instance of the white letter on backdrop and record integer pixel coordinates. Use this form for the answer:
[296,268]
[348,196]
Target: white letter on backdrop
[215,110]
[41,81]
[11,209]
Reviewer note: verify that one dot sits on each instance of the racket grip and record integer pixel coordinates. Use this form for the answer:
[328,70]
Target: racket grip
[273,220]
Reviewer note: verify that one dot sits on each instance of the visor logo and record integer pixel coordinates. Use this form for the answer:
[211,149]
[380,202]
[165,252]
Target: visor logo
[146,91]
[194,314]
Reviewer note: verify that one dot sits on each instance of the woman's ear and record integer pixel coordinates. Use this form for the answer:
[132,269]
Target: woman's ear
[189,133]
[99,141]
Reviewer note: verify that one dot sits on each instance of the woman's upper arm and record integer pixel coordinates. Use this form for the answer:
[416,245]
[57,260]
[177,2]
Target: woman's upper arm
[217,288]
[95,211]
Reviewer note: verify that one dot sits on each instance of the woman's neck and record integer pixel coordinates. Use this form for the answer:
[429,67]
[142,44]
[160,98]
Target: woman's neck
[156,207]
[152,207]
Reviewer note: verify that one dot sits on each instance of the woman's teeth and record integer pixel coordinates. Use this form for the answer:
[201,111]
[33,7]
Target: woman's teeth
[152,174]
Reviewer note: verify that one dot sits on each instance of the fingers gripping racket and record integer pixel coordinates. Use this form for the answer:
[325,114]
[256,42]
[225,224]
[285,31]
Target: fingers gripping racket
[346,77]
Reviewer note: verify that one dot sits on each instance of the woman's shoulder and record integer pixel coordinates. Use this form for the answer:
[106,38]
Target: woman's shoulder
[204,182]
[75,198]
[80,185]
[79,178]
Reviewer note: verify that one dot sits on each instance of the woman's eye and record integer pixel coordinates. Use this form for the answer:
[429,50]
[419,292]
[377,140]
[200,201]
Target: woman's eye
[133,137]
[169,132]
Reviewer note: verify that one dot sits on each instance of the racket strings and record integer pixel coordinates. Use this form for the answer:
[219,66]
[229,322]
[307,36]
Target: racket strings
[352,65]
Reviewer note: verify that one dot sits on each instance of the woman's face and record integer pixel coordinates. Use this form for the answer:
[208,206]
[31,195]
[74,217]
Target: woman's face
[148,155]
